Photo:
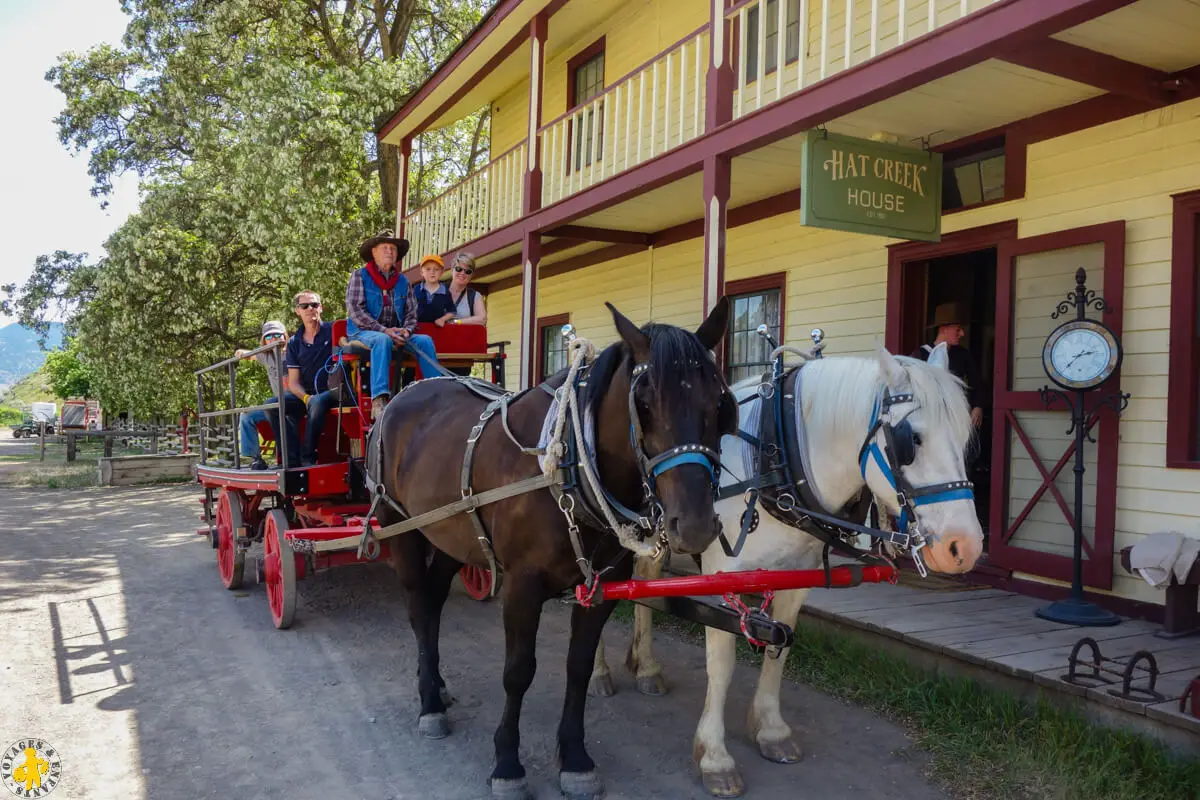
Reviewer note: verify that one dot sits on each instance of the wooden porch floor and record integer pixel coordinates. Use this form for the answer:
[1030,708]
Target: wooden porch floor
[997,630]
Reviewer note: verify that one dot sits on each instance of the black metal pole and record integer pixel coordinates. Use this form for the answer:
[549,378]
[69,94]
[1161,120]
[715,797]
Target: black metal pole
[1080,437]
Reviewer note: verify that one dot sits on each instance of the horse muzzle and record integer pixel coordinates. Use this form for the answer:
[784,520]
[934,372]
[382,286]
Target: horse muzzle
[953,553]
[692,534]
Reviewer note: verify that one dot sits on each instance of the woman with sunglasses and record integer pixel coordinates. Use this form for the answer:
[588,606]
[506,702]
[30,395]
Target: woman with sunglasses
[467,303]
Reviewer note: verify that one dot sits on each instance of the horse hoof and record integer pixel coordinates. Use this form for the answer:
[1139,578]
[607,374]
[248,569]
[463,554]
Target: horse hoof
[723,784]
[601,686]
[580,785]
[785,751]
[509,789]
[447,698]
[652,685]
[434,726]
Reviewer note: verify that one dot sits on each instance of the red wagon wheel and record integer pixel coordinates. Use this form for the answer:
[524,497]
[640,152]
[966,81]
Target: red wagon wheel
[231,560]
[477,581]
[279,569]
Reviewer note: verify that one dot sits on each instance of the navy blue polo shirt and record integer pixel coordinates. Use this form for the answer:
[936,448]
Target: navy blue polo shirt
[310,358]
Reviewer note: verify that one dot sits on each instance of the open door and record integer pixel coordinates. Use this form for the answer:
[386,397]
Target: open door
[1032,456]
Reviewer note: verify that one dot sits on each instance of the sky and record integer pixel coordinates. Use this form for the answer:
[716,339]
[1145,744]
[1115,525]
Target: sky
[45,200]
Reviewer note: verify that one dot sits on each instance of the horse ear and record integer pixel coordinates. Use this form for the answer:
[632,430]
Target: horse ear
[712,330]
[940,357]
[631,334]
[893,373]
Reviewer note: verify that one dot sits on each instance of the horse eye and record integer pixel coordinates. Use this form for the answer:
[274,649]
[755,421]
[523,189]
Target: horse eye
[916,439]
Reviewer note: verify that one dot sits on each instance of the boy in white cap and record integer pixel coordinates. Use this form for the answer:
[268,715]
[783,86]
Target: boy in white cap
[272,331]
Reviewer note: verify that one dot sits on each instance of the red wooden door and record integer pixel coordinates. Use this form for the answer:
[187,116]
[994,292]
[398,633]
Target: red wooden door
[1032,515]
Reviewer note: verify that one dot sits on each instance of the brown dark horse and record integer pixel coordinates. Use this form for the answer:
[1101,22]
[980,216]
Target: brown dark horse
[423,439]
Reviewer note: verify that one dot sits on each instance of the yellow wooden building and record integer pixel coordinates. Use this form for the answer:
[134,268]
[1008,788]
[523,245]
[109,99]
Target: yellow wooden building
[648,153]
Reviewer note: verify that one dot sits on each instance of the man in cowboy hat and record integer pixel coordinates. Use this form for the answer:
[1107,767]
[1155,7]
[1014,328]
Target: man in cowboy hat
[381,312]
[948,321]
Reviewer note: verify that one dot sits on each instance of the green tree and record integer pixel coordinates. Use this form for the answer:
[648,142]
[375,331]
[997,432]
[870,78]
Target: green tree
[68,376]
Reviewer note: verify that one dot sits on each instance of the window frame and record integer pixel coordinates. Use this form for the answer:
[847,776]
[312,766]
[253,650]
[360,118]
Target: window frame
[574,64]
[983,145]
[550,321]
[748,286]
[752,42]
[1183,371]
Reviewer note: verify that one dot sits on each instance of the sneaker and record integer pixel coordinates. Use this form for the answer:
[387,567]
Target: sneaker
[258,463]
[378,404]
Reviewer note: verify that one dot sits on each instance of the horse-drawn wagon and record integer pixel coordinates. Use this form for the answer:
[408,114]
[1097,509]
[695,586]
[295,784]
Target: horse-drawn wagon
[625,455]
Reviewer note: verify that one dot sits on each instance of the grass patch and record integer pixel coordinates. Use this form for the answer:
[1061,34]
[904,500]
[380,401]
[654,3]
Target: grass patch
[985,743]
[55,476]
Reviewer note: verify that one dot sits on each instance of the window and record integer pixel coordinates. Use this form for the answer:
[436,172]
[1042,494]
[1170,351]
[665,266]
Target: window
[754,302]
[1183,380]
[585,83]
[975,176]
[791,42]
[552,347]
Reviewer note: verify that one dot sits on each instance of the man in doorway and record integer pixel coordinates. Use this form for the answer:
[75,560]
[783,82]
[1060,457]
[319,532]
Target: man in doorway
[307,353]
[948,319]
[381,312]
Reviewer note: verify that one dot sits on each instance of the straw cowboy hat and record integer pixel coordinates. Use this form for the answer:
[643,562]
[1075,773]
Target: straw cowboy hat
[948,314]
[383,237]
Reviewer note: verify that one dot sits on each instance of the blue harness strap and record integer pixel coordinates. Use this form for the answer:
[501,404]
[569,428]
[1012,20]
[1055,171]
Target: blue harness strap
[680,459]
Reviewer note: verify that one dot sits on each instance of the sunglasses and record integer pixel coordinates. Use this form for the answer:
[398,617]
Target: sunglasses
[464,269]
[272,336]
[309,305]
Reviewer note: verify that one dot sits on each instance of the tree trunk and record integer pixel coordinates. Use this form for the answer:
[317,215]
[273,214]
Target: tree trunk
[389,177]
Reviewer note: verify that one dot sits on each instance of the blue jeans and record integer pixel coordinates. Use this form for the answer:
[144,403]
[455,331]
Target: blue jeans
[318,408]
[248,433]
[381,345]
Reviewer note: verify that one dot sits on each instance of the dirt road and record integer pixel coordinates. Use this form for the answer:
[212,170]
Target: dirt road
[120,648]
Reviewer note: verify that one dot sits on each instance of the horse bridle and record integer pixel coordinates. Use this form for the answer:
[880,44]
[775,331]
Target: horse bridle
[652,468]
[900,450]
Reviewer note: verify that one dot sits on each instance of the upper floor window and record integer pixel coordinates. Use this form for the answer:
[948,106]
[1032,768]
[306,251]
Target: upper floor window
[754,302]
[791,36]
[973,176]
[1183,365]
[586,82]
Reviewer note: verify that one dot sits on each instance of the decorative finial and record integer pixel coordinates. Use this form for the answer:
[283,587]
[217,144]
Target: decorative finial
[568,332]
[817,335]
[762,330]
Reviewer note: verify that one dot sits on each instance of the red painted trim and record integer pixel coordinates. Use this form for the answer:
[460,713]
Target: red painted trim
[591,259]
[1091,68]
[574,63]
[402,200]
[490,21]
[508,262]
[533,177]
[719,83]
[759,283]
[716,186]
[554,320]
[1097,571]
[1183,397]
[902,284]
[582,233]
[530,255]
[505,283]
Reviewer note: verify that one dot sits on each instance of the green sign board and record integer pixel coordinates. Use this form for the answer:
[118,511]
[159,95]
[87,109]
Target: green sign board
[862,186]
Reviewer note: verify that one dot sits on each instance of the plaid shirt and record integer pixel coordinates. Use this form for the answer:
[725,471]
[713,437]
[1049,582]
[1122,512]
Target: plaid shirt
[356,308]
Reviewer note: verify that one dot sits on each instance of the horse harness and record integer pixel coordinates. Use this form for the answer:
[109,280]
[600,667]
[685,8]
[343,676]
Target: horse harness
[783,486]
[567,483]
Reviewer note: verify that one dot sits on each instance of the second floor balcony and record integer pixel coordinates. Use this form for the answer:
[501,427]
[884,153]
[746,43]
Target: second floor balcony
[775,48]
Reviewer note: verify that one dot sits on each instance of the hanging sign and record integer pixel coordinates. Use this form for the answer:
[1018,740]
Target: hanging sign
[858,185]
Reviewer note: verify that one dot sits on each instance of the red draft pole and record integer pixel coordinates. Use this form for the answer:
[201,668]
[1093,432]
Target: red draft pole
[759,580]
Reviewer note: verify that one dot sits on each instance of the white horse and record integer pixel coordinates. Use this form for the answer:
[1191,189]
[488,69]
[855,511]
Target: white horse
[840,403]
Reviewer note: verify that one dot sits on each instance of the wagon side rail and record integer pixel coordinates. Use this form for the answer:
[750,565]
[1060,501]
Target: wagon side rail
[275,349]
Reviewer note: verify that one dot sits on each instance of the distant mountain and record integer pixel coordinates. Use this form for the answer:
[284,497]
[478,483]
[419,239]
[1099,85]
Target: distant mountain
[20,353]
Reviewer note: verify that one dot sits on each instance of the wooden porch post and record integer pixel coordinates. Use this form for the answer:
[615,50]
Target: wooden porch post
[531,243]
[719,83]
[716,200]
[402,189]
[531,251]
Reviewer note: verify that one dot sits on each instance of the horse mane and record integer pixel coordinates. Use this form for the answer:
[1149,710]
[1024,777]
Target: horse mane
[848,387]
[679,360]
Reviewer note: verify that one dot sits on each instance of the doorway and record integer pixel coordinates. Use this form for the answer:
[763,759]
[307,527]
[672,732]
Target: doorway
[967,281]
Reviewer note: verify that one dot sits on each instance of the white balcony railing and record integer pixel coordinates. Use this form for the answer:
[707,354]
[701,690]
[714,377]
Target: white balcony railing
[655,108]
[485,200]
[837,34]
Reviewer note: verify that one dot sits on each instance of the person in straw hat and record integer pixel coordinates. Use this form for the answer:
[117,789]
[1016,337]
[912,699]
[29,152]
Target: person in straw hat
[381,312]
